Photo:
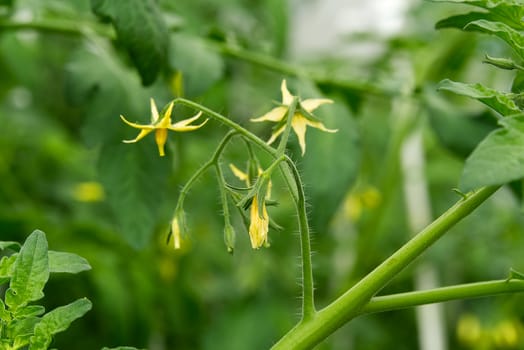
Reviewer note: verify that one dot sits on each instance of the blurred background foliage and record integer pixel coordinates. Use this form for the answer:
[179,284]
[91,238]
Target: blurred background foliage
[64,81]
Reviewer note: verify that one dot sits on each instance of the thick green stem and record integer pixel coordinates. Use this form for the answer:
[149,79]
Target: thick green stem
[308,300]
[438,295]
[283,67]
[310,332]
[61,26]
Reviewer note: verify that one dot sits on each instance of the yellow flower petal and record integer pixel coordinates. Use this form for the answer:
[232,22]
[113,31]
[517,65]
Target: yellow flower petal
[276,134]
[239,173]
[259,225]
[274,115]
[161,139]
[187,128]
[165,122]
[299,124]
[287,98]
[320,126]
[137,126]
[154,112]
[140,136]
[175,230]
[313,103]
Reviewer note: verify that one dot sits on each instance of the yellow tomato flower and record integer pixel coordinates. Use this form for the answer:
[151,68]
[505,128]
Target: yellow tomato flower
[162,125]
[300,119]
[259,221]
[259,226]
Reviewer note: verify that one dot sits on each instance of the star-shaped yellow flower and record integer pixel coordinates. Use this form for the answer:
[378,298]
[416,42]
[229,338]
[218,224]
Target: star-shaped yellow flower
[301,119]
[161,126]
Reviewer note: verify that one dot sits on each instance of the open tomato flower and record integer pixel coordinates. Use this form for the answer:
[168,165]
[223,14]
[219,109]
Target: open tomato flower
[301,119]
[161,125]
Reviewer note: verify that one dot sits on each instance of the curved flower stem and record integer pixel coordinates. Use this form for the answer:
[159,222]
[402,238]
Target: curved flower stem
[213,160]
[308,297]
[288,177]
[308,333]
[437,295]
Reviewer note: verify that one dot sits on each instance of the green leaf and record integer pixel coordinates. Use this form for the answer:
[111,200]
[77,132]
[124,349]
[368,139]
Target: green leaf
[121,348]
[513,37]
[104,88]
[21,330]
[5,315]
[499,158]
[508,12]
[518,82]
[7,264]
[141,30]
[136,180]
[57,320]
[13,245]
[460,21]
[67,262]
[501,102]
[31,272]
[29,311]
[201,66]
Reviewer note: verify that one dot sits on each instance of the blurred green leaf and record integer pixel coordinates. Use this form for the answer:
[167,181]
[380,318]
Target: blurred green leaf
[141,30]
[31,271]
[22,329]
[136,181]
[508,12]
[100,84]
[499,158]
[6,268]
[12,245]
[514,38]
[456,130]
[200,65]
[518,82]
[331,163]
[29,311]
[121,348]
[501,102]
[460,21]
[67,262]
[57,320]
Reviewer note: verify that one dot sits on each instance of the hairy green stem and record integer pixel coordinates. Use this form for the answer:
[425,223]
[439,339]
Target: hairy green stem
[288,177]
[289,122]
[437,295]
[213,160]
[308,333]
[308,300]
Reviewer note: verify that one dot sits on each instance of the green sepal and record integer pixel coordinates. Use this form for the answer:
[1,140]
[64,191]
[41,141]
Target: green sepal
[502,63]
[515,275]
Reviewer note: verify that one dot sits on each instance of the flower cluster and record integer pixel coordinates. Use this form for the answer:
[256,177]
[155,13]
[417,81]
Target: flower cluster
[291,107]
